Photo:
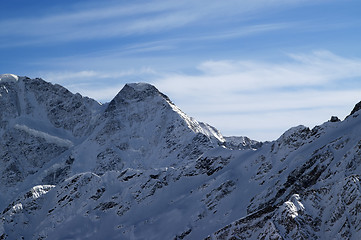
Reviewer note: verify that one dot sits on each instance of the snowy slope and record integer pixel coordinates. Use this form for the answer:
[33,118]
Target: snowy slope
[38,122]
[49,134]
[142,128]
[311,186]
[140,168]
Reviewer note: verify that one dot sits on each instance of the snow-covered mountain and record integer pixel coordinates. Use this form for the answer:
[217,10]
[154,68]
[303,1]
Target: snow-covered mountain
[140,168]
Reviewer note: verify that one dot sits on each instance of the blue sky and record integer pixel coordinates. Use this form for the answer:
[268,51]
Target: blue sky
[253,68]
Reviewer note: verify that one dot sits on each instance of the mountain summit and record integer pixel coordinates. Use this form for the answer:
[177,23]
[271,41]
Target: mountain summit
[135,92]
[140,168]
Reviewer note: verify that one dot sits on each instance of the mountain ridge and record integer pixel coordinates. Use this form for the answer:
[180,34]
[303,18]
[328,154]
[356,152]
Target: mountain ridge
[140,168]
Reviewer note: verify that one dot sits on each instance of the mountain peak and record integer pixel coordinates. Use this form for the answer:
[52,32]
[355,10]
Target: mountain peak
[141,87]
[135,92]
[138,91]
[8,78]
[356,108]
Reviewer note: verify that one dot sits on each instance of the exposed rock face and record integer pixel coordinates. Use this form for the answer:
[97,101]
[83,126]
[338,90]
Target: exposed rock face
[356,108]
[139,168]
[241,143]
[334,119]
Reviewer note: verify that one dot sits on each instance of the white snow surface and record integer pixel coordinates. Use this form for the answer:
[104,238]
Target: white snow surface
[8,78]
[38,191]
[47,137]
[293,206]
[140,168]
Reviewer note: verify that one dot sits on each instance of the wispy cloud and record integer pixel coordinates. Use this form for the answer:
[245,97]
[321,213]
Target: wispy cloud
[316,69]
[114,20]
[70,76]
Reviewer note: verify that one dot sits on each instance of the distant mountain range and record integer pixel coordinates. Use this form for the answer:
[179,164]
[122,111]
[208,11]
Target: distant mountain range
[139,168]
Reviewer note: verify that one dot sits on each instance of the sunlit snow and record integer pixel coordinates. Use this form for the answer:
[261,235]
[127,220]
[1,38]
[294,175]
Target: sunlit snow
[8,78]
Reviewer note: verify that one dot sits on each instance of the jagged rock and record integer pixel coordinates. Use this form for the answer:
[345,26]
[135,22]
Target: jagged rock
[355,109]
[334,119]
